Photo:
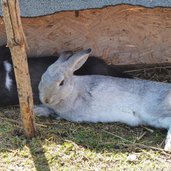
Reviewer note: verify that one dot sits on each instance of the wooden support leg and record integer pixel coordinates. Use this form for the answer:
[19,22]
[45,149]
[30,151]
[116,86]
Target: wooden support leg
[17,44]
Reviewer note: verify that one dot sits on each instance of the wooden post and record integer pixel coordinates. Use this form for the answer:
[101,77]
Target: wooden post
[17,44]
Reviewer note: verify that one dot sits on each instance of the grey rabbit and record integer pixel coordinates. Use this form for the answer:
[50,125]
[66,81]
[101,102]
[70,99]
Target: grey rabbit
[97,98]
[37,66]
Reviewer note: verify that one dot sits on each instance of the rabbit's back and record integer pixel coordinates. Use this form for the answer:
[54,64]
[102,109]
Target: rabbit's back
[109,99]
[134,101]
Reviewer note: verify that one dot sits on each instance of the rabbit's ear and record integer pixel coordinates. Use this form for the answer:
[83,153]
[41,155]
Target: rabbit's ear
[78,59]
[64,56]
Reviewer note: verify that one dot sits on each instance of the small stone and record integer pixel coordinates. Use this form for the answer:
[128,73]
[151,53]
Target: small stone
[132,157]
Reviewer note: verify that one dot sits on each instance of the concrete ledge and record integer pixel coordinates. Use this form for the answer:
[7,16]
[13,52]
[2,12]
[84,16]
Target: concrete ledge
[35,8]
[122,34]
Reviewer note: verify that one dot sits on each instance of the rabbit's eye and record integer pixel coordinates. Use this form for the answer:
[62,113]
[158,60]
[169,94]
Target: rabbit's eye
[61,83]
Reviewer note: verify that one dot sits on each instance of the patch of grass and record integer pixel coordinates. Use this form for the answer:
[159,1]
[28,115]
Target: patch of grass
[63,145]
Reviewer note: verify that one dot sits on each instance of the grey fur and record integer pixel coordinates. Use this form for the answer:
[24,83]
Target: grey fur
[98,98]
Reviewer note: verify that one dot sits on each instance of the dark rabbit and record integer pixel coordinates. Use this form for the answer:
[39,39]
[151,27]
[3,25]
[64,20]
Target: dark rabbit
[8,89]
[97,66]
[37,66]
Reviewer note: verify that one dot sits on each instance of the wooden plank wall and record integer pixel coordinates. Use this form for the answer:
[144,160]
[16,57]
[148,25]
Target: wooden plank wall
[120,34]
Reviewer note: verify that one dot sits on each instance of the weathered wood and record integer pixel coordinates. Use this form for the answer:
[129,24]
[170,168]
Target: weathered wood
[122,34]
[17,45]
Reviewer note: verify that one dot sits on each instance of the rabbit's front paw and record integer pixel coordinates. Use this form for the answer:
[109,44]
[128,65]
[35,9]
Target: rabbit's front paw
[42,111]
[167,146]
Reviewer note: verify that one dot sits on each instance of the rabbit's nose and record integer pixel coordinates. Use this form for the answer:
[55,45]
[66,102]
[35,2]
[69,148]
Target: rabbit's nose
[46,101]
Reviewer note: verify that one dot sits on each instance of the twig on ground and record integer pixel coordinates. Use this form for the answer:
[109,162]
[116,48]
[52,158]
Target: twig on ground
[148,129]
[143,69]
[136,144]
[117,136]
[141,136]
[19,123]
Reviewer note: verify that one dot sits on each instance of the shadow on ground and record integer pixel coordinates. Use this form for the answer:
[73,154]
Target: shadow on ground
[97,138]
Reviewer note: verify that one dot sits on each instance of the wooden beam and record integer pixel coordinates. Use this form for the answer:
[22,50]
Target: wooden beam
[122,34]
[17,44]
